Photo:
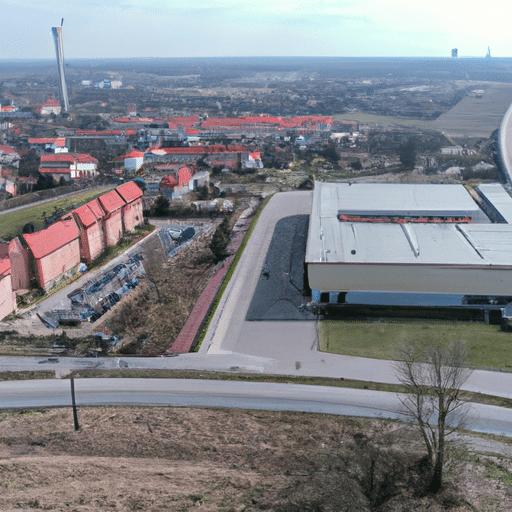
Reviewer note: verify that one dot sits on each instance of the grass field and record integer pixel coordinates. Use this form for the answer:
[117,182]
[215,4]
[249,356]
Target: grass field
[487,346]
[472,117]
[376,120]
[11,223]
[477,116]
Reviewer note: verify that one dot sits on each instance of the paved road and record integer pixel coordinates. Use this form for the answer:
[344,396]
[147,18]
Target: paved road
[48,200]
[292,343]
[244,395]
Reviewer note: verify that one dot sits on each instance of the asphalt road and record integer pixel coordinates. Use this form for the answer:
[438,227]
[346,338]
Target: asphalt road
[243,395]
[286,341]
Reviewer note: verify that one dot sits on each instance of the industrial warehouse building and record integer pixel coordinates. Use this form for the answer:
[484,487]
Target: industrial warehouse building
[407,238]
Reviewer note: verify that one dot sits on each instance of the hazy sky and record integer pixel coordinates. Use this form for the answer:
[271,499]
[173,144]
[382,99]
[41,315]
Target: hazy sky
[223,28]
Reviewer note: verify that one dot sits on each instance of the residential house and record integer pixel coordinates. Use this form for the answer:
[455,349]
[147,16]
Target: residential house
[52,106]
[132,161]
[19,259]
[54,252]
[112,204]
[9,156]
[132,210]
[69,166]
[89,218]
[7,297]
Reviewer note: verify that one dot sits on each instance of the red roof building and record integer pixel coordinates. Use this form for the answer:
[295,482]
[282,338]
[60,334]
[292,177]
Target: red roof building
[48,141]
[52,106]
[89,218]
[184,176]
[132,161]
[132,210]
[69,166]
[168,182]
[112,204]
[55,251]
[7,297]
[19,259]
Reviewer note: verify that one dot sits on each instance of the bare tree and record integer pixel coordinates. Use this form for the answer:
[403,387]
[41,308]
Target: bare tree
[433,375]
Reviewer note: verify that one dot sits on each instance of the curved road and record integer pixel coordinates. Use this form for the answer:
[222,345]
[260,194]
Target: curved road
[244,395]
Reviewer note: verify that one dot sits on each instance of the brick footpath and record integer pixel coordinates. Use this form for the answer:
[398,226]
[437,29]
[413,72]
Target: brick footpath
[190,330]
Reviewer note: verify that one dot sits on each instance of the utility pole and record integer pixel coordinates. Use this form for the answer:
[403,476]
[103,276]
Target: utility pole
[75,415]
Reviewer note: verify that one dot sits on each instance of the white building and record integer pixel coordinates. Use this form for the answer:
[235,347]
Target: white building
[415,239]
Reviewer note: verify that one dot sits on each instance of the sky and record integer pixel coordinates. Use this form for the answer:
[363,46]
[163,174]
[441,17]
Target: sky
[228,28]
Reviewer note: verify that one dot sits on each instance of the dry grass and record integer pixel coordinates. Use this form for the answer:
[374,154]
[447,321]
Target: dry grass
[181,459]
[150,319]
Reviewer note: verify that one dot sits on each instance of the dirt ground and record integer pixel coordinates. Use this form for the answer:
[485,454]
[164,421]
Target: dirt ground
[180,459]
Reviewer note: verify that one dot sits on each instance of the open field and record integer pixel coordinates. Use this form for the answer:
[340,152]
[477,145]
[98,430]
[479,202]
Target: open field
[11,223]
[473,116]
[376,120]
[180,459]
[476,116]
[488,347]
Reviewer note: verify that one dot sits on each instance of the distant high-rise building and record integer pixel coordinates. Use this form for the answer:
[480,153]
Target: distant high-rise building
[59,50]
[455,53]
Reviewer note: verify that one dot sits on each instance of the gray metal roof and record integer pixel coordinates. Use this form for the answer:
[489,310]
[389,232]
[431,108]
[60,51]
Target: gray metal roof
[499,198]
[403,199]
[474,244]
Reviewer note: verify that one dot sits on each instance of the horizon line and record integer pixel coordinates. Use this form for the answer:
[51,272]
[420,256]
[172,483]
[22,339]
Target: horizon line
[460,57]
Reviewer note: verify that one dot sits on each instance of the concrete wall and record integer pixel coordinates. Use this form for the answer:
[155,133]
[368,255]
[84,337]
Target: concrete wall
[113,228]
[20,266]
[7,300]
[468,280]
[132,215]
[92,242]
[51,268]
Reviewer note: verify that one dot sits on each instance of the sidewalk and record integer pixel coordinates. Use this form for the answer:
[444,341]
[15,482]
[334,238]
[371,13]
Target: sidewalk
[191,329]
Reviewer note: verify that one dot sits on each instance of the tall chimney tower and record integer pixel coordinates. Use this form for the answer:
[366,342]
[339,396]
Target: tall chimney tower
[59,50]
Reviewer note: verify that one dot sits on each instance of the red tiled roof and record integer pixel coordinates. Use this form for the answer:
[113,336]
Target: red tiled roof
[198,150]
[111,201]
[7,149]
[89,213]
[5,267]
[129,191]
[95,207]
[84,158]
[185,121]
[85,215]
[132,154]
[52,102]
[59,141]
[260,121]
[168,181]
[144,120]
[58,157]
[184,176]
[52,238]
